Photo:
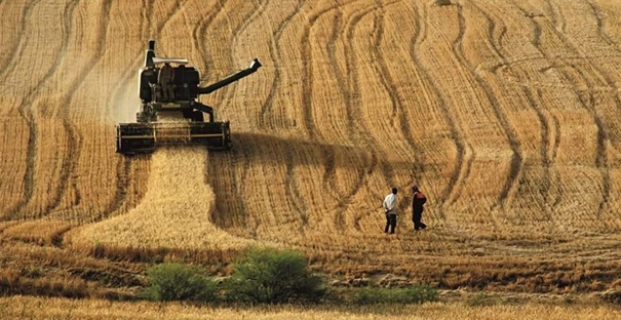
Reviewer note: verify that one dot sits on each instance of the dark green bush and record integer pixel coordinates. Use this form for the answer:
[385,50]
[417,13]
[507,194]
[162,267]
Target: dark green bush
[174,281]
[409,295]
[272,276]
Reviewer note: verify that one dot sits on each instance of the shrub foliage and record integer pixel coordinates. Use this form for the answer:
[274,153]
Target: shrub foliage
[272,276]
[174,281]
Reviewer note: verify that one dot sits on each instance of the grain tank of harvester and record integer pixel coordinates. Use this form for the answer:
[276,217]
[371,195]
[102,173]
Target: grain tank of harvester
[174,98]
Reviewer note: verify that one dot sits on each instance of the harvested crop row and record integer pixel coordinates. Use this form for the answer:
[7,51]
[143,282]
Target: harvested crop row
[174,213]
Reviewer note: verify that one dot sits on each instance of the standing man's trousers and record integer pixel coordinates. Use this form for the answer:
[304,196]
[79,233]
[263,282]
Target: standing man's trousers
[417,216]
[391,221]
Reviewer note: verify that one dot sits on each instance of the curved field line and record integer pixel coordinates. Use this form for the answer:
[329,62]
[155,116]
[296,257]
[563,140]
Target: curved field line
[613,45]
[220,215]
[144,16]
[256,14]
[389,84]
[589,104]
[546,145]
[397,101]
[600,25]
[351,98]
[24,112]
[608,40]
[167,19]
[75,137]
[517,158]
[17,51]
[21,38]
[275,53]
[293,196]
[463,163]
[237,189]
[25,109]
[586,102]
[329,178]
[459,180]
[557,17]
[201,28]
[307,93]
[307,59]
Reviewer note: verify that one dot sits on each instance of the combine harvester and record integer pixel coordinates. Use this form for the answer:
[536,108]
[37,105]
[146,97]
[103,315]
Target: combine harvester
[174,97]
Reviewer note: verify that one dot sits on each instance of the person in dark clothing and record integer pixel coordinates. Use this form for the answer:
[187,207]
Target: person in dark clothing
[390,209]
[166,78]
[418,200]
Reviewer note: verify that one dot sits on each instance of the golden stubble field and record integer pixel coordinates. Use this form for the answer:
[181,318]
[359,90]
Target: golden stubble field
[14,308]
[504,112]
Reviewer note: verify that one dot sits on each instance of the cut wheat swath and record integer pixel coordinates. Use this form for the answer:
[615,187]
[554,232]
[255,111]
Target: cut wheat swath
[175,212]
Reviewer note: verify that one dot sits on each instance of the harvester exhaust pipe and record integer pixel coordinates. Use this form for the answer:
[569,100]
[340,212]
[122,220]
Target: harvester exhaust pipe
[149,55]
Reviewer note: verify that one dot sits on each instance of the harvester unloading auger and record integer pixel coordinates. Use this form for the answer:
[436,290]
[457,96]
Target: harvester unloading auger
[166,89]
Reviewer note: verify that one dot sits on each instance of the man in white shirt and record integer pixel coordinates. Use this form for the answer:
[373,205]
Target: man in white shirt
[390,206]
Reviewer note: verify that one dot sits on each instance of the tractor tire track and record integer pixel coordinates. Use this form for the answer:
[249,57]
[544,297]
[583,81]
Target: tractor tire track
[265,114]
[545,127]
[587,103]
[247,20]
[307,89]
[204,51]
[517,158]
[266,119]
[308,72]
[201,29]
[25,110]
[348,85]
[221,215]
[145,15]
[463,163]
[174,11]
[295,199]
[18,47]
[74,136]
[600,25]
[397,101]
[603,138]
[389,84]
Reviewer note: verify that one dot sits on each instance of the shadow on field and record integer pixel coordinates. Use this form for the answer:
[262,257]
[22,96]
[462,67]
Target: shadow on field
[229,172]
[266,149]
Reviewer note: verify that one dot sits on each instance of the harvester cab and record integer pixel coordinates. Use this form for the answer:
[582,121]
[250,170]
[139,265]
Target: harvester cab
[170,112]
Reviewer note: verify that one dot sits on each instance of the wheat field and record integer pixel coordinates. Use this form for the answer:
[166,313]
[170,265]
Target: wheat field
[504,112]
[14,308]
